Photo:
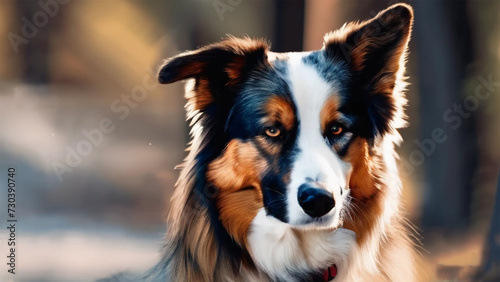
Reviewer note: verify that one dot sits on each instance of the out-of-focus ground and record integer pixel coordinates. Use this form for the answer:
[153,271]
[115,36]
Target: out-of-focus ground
[105,213]
[62,248]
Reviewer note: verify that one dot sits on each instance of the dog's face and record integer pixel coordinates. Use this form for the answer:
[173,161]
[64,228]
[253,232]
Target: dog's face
[292,133]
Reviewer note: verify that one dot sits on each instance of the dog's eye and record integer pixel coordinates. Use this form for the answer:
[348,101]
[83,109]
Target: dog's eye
[336,129]
[273,131]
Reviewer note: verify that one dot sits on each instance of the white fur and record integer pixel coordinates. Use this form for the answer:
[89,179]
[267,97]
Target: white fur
[316,159]
[276,250]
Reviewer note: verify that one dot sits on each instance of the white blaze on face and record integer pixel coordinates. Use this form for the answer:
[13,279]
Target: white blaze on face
[316,160]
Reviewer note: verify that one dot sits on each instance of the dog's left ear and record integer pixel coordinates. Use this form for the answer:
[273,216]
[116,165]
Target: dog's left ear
[218,69]
[375,52]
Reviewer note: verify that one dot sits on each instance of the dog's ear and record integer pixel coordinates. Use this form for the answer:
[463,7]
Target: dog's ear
[218,69]
[375,51]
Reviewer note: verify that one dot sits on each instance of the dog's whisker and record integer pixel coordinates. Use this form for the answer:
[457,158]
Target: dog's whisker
[265,187]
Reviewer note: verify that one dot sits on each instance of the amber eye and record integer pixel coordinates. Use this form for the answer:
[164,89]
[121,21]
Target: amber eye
[273,131]
[336,129]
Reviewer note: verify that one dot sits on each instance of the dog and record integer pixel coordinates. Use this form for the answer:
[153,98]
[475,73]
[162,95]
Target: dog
[291,173]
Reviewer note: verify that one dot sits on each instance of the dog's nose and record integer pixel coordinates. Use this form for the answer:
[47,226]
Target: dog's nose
[315,202]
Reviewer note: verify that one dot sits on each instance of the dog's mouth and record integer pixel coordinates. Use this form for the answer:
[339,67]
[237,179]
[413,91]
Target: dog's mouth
[324,220]
[328,221]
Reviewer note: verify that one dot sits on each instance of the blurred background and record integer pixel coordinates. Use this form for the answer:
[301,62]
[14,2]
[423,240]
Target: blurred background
[94,139]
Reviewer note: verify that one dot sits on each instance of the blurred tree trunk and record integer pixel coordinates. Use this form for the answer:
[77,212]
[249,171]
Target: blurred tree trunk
[320,18]
[35,52]
[36,23]
[490,270]
[443,40]
[289,26]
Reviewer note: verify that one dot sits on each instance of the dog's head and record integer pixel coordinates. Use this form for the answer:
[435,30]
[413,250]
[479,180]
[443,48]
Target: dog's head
[293,133]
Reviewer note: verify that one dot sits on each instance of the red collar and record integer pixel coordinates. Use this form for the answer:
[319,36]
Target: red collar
[330,273]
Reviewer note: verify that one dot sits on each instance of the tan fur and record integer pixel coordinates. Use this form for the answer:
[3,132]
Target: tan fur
[278,109]
[236,174]
[191,244]
[329,111]
[362,182]
[200,97]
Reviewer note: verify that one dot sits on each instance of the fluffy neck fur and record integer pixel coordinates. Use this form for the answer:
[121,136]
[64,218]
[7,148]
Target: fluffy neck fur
[385,248]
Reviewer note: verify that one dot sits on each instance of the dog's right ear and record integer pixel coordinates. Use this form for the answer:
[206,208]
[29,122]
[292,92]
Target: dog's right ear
[218,69]
[375,51]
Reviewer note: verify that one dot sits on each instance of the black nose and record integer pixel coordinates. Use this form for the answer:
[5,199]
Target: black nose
[315,202]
